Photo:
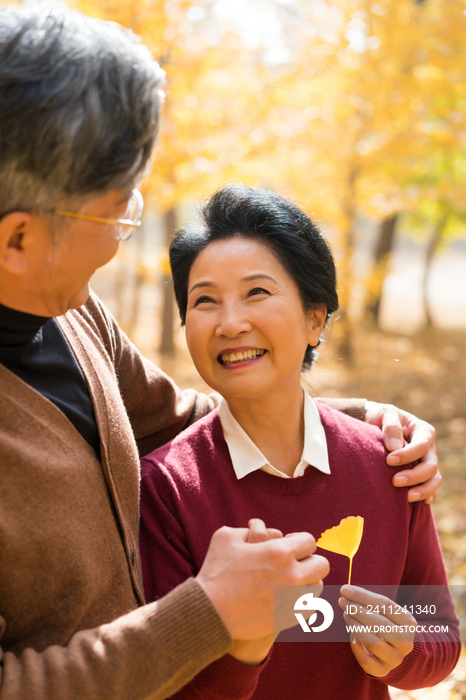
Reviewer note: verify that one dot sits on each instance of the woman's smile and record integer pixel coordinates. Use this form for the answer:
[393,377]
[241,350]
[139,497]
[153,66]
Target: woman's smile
[240,356]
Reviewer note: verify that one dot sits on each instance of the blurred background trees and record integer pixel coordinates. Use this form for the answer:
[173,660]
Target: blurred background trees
[355,108]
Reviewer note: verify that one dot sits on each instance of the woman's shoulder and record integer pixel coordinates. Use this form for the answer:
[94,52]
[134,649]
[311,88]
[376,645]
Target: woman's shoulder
[349,431]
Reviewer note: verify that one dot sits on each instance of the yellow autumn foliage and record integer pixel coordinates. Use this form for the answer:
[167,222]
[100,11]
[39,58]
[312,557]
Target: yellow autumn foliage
[368,117]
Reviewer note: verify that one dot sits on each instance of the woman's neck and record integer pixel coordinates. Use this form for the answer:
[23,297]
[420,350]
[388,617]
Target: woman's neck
[275,424]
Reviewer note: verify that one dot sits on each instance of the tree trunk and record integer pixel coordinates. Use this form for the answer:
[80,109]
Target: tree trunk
[138,283]
[380,267]
[167,343]
[346,269]
[432,248]
[344,294]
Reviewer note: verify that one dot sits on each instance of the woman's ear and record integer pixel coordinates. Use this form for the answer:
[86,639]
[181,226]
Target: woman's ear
[316,320]
[15,230]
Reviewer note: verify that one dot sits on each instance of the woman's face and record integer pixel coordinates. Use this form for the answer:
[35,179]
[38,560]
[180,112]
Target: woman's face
[246,328]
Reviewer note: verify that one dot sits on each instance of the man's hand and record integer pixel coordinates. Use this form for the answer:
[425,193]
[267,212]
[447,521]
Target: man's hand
[395,425]
[239,576]
[387,637]
[254,651]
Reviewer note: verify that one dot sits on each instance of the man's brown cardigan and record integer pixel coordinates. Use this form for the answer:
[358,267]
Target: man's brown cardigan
[69,557]
[71,622]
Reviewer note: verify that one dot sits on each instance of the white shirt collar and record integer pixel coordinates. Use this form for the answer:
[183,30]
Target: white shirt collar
[247,457]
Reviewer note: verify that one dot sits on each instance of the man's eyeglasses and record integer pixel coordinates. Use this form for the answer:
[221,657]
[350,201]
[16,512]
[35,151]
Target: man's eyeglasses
[125,227]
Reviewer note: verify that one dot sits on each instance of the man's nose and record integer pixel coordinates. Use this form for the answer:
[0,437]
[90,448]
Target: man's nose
[232,320]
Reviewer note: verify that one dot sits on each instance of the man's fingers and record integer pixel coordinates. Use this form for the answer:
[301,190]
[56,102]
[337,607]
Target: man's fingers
[413,451]
[388,418]
[257,531]
[245,599]
[274,534]
[392,431]
[426,492]
[425,470]
[425,478]
[300,544]
[313,569]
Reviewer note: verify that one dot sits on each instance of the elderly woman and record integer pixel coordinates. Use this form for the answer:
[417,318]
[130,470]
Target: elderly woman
[255,285]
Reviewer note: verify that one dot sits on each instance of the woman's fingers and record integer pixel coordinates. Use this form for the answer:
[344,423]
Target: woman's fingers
[376,659]
[382,633]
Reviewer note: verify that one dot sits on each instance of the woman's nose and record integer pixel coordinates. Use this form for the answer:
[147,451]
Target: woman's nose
[232,321]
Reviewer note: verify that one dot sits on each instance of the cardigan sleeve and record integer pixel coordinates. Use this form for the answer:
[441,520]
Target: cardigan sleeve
[352,407]
[148,653]
[167,560]
[424,583]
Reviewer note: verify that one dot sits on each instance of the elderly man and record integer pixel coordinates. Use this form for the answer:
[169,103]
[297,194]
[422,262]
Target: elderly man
[80,108]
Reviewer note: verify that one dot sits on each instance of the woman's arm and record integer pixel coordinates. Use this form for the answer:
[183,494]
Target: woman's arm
[422,658]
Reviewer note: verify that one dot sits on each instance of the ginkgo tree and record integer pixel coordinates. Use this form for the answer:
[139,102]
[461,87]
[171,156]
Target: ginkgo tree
[358,121]
[373,90]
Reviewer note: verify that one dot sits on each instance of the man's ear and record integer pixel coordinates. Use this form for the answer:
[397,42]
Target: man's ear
[316,321]
[15,231]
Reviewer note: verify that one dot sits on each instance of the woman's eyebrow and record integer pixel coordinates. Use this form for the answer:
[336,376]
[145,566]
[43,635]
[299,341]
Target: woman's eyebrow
[249,278]
[258,276]
[201,284]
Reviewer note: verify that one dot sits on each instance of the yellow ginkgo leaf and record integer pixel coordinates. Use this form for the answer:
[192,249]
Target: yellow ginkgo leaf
[344,538]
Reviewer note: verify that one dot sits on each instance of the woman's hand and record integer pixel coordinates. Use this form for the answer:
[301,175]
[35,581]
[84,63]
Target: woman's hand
[396,424]
[388,636]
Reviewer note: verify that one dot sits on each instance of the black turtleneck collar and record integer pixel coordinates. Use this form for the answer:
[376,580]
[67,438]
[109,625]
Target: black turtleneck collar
[18,328]
[36,350]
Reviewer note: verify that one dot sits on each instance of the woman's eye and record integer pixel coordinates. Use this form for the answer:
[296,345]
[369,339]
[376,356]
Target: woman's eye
[203,300]
[257,290]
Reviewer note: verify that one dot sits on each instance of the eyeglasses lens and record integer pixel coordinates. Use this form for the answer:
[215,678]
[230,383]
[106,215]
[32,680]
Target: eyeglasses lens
[133,213]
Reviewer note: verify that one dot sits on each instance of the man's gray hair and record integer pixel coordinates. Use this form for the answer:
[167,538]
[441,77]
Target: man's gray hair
[79,106]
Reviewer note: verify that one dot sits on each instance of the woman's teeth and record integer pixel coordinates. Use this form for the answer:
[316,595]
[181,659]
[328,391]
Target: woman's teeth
[229,358]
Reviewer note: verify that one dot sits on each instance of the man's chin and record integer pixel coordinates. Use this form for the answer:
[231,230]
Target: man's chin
[80,298]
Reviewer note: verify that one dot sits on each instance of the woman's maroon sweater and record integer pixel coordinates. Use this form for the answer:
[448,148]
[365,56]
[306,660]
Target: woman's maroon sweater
[190,490]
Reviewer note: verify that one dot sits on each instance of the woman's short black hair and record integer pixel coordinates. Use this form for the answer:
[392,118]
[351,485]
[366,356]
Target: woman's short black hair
[262,215]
